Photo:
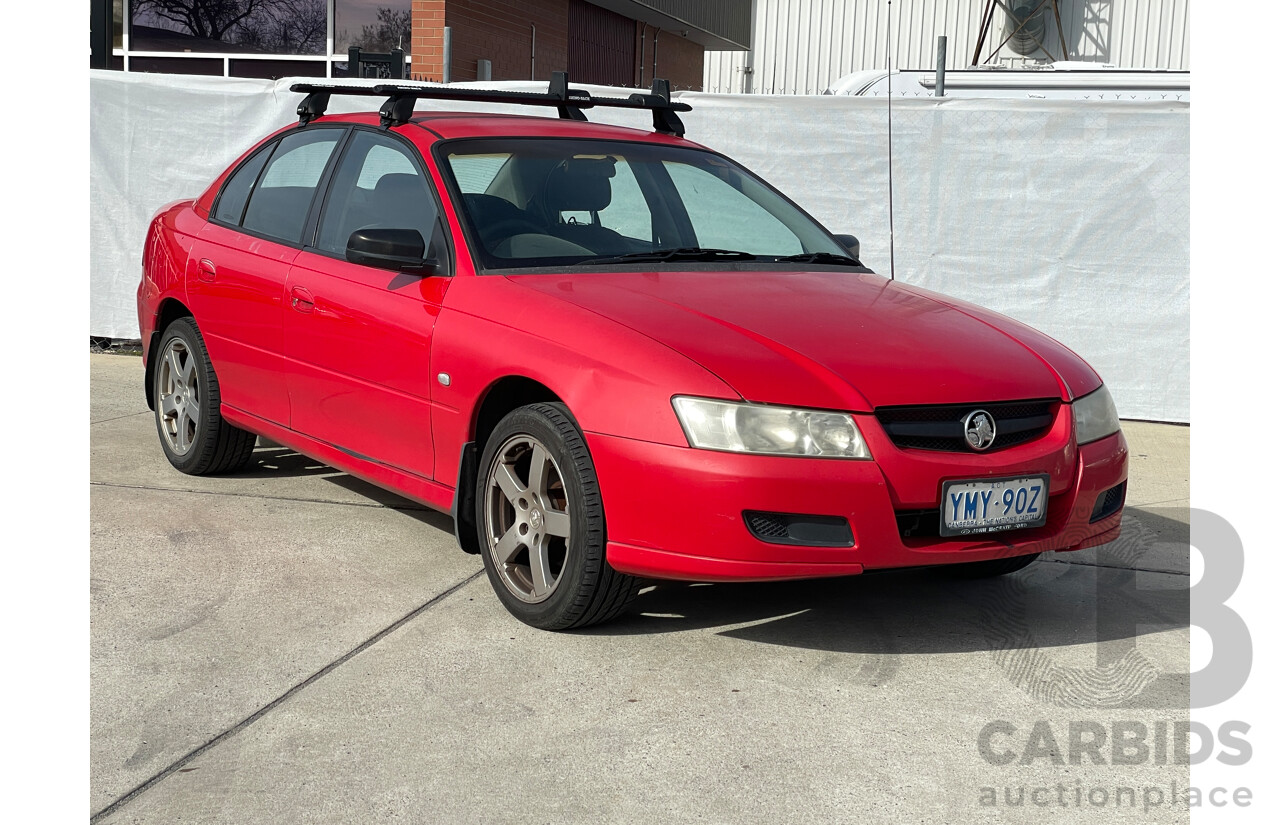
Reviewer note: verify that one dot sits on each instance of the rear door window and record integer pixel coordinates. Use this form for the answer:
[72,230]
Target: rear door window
[280,202]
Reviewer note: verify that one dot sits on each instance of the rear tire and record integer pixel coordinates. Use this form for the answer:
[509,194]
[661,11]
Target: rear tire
[193,434]
[989,569]
[540,521]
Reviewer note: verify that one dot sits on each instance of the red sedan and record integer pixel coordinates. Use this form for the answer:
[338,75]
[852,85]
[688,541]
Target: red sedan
[611,353]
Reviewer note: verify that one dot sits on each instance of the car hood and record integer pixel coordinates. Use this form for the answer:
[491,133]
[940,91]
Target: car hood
[833,339]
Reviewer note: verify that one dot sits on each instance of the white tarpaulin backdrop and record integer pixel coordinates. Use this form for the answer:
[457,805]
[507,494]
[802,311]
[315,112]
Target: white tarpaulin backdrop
[1071,216]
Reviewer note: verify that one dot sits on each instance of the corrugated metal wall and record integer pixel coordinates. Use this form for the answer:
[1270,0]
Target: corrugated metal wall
[801,46]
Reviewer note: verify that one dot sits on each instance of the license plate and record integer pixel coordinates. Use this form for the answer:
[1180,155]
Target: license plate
[993,505]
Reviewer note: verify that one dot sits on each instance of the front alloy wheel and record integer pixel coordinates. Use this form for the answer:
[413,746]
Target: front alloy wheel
[541,523]
[527,518]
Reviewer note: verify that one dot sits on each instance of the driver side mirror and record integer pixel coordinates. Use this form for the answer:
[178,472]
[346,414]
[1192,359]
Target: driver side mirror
[850,243]
[400,250]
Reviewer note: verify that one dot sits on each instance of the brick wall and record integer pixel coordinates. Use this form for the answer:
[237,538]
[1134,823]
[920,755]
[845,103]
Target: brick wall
[428,40]
[679,59]
[499,31]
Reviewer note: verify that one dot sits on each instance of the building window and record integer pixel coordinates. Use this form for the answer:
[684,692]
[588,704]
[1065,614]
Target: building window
[255,38]
[117,24]
[372,25]
[240,26]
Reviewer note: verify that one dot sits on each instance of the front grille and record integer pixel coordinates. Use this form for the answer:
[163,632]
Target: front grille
[1108,503]
[797,529]
[941,428]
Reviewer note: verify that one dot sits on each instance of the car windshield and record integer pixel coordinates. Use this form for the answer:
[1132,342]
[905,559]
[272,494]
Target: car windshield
[532,203]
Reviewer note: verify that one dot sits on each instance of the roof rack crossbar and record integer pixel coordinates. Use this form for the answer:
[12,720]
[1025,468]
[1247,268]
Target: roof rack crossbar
[397,111]
[665,119]
[312,106]
[569,103]
[559,87]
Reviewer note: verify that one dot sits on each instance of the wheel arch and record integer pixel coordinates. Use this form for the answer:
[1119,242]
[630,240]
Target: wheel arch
[510,392]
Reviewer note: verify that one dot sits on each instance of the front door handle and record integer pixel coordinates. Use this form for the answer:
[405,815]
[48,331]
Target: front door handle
[205,270]
[301,299]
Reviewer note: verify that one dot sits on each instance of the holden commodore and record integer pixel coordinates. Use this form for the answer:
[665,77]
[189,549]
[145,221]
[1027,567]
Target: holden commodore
[611,353]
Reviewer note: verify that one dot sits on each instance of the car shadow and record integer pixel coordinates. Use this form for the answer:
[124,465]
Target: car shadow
[281,462]
[1153,538]
[1166,525]
[916,612]
[1056,602]
[274,461]
[1065,634]
[1121,591]
[424,514]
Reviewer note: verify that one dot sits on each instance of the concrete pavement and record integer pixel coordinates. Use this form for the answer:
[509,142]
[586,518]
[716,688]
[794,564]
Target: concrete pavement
[293,645]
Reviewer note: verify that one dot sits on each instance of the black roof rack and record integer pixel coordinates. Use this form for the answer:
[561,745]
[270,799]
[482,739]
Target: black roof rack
[398,108]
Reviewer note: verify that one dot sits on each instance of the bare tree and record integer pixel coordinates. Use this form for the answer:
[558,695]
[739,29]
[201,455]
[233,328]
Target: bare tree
[287,27]
[394,30]
[280,26]
[302,25]
[211,19]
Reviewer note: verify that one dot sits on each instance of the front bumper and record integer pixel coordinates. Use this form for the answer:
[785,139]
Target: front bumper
[677,512]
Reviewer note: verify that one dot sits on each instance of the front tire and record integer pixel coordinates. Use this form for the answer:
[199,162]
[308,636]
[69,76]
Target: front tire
[541,525]
[195,438]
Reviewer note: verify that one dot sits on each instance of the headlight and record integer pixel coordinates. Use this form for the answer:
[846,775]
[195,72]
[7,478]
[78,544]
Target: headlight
[1095,416]
[756,428]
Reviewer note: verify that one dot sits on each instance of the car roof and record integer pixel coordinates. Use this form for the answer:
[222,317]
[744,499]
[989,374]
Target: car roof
[449,125]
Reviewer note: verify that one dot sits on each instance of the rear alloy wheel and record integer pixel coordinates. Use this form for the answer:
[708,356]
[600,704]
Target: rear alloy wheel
[195,438]
[541,523]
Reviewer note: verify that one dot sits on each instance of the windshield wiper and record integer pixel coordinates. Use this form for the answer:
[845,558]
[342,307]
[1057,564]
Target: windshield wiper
[820,258]
[683,253]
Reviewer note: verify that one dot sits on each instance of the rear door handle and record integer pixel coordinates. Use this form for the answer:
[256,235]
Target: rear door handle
[205,270]
[301,299]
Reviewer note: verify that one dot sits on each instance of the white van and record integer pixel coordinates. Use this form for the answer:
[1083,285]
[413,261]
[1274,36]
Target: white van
[1064,80]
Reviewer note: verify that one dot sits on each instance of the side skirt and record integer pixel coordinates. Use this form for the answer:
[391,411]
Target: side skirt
[416,488]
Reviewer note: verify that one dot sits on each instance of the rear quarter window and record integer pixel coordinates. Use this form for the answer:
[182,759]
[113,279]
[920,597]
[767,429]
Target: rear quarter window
[235,193]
